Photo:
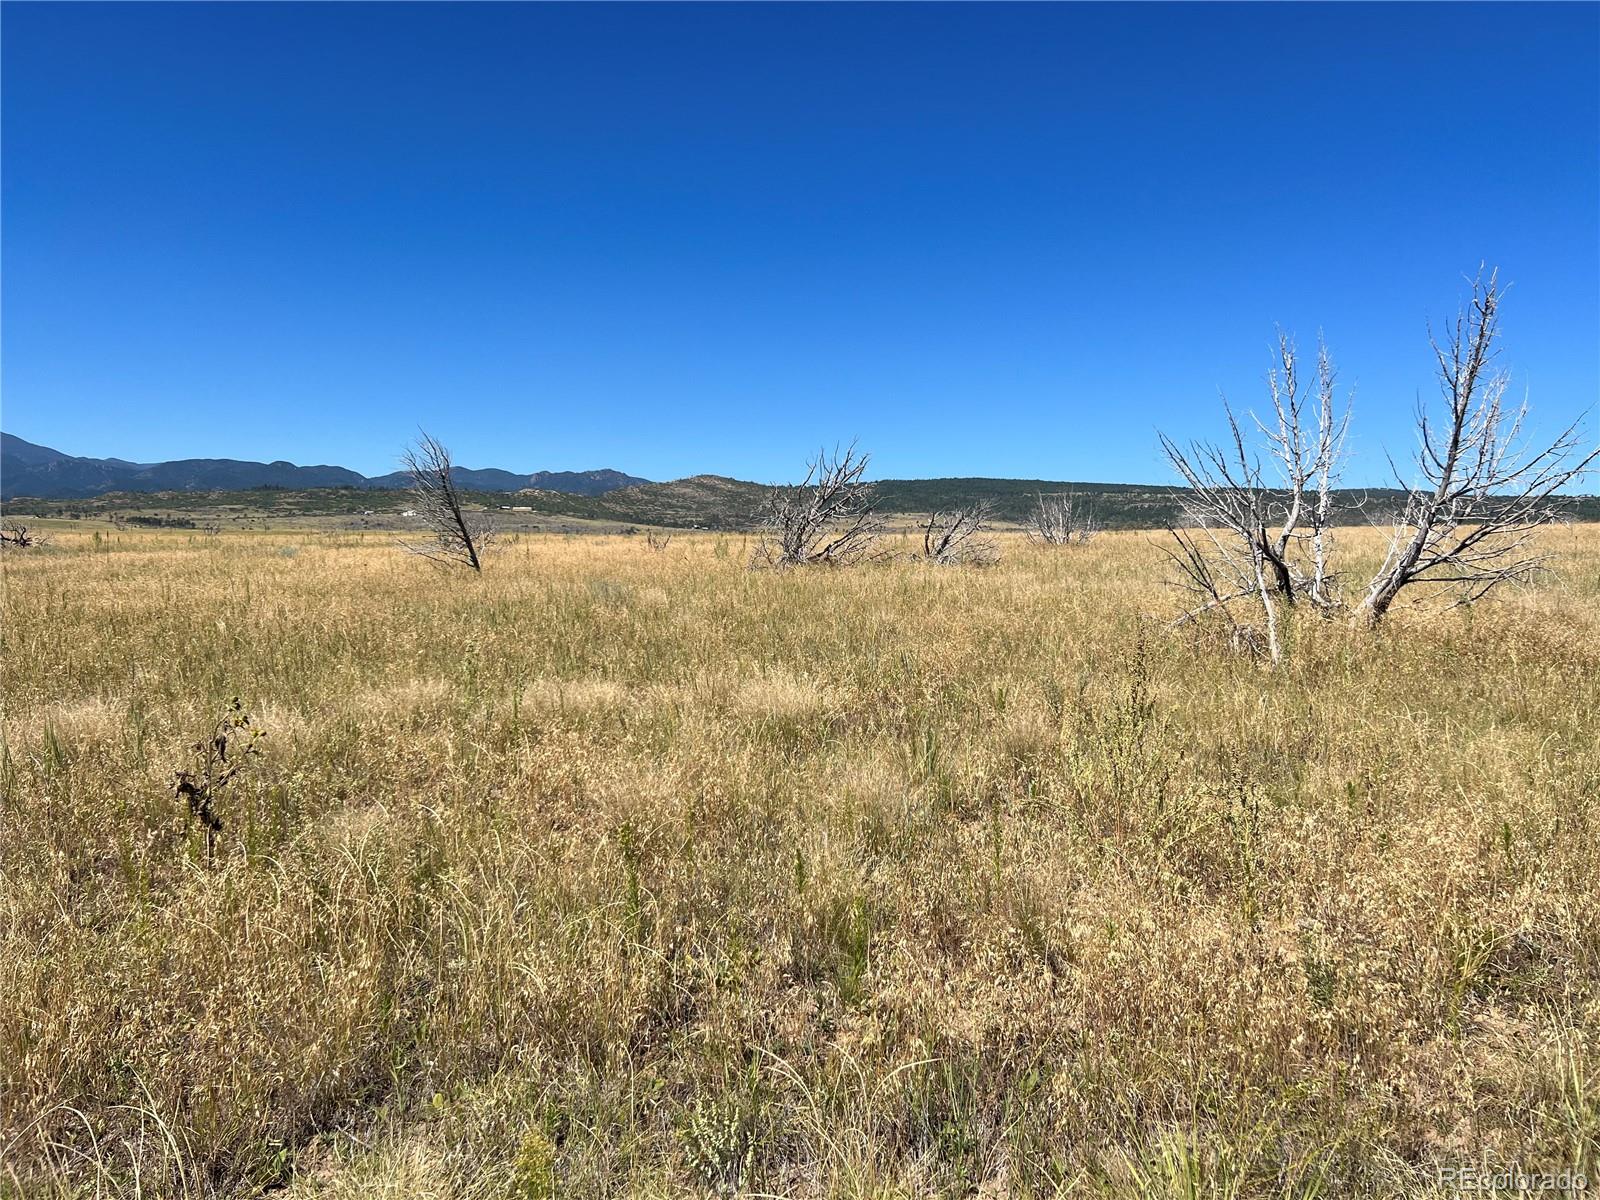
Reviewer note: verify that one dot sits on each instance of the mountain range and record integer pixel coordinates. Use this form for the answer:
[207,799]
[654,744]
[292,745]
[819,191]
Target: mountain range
[46,482]
[27,469]
[49,481]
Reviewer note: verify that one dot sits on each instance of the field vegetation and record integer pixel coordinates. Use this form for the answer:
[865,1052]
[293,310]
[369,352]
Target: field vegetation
[709,502]
[622,869]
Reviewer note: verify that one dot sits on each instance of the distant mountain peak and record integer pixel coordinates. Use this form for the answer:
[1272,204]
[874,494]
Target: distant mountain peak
[27,469]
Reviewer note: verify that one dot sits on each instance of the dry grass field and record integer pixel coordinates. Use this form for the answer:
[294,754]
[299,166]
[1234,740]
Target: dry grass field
[617,872]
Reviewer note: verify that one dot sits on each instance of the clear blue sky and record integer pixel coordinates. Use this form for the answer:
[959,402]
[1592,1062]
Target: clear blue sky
[986,240]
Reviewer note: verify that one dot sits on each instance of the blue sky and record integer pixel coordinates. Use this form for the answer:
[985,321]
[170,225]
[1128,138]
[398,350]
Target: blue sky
[985,240]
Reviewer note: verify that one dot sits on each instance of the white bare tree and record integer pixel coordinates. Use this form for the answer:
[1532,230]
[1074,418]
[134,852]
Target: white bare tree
[1468,526]
[1332,431]
[1060,519]
[458,538]
[1305,438]
[828,517]
[1254,543]
[955,536]
[1485,490]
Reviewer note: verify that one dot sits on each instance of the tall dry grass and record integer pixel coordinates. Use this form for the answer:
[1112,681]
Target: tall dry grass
[629,873]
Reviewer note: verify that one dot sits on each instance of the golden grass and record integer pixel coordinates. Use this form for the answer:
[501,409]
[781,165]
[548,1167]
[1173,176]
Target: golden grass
[628,873]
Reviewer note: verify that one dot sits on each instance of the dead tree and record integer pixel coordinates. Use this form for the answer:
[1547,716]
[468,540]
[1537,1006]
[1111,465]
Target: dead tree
[1226,555]
[829,517]
[21,536]
[1469,526]
[1329,458]
[1057,520]
[459,539]
[956,536]
[1250,540]
[1305,437]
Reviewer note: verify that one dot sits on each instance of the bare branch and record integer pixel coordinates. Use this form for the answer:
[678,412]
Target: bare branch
[1060,519]
[956,536]
[1484,491]
[829,517]
[459,539]
[22,536]
[1265,544]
